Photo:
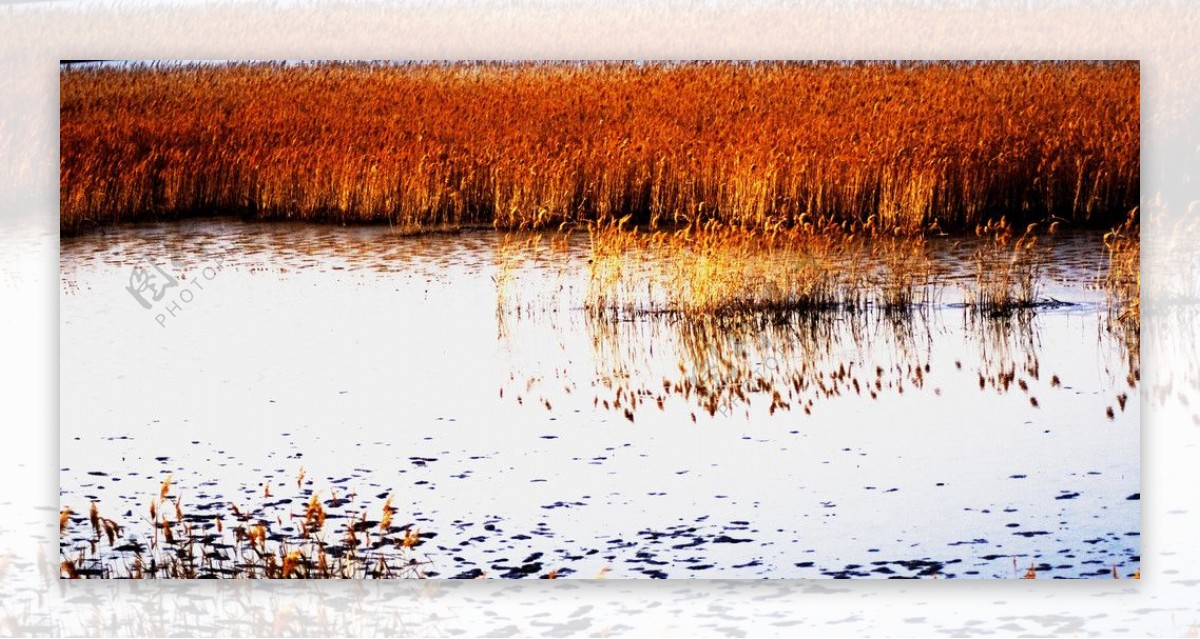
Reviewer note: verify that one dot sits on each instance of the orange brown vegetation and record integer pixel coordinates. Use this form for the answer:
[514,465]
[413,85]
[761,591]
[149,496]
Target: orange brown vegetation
[264,542]
[717,269]
[542,144]
[1123,278]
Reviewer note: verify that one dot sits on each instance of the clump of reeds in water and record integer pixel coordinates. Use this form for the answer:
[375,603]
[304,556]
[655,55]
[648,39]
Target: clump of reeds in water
[1007,269]
[308,537]
[655,346]
[1123,277]
[1122,283]
[711,292]
[534,145]
[771,271]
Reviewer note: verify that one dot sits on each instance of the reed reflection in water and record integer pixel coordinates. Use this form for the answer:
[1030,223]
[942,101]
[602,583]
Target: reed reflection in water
[790,326]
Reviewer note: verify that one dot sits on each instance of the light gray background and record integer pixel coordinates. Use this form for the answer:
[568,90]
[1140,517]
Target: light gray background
[34,36]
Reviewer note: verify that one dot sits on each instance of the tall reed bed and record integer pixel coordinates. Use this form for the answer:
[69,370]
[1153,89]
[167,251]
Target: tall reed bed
[527,145]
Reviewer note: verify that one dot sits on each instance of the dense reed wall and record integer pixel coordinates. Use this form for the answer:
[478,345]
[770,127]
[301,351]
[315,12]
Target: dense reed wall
[537,144]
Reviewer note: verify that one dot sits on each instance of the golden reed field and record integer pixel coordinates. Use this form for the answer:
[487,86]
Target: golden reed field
[527,145]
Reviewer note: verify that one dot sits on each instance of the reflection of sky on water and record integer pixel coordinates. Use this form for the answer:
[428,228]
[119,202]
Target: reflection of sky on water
[353,353]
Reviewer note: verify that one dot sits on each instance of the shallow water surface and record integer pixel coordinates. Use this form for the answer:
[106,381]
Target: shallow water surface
[526,436]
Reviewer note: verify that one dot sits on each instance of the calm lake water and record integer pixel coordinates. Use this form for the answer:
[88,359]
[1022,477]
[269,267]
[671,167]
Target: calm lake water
[932,444]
